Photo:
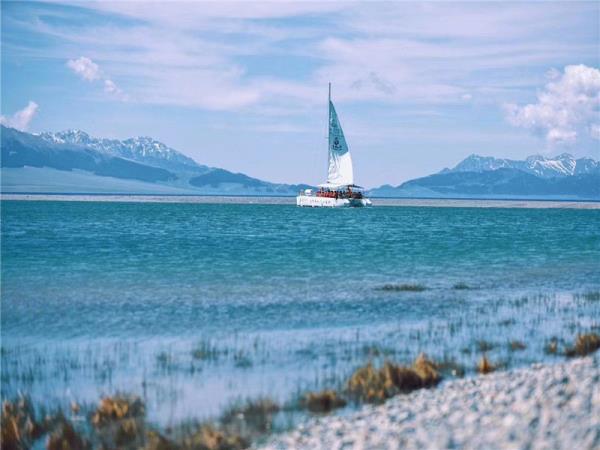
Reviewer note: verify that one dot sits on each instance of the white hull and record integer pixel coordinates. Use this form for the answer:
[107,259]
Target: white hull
[312,201]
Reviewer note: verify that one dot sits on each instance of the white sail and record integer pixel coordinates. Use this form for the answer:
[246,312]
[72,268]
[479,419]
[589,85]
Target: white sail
[340,171]
[340,190]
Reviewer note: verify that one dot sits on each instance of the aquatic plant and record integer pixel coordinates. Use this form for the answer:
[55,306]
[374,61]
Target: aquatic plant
[323,402]
[370,384]
[402,288]
[485,346]
[156,441]
[590,296]
[585,344]
[450,367]
[119,421]
[426,370]
[242,360]
[21,428]
[205,350]
[251,418]
[66,438]
[117,408]
[516,346]
[19,424]
[551,347]
[209,437]
[485,366]
[164,361]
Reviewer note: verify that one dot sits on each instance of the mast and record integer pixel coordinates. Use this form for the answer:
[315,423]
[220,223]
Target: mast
[328,129]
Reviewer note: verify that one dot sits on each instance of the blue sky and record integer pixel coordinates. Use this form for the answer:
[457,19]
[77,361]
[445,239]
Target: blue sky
[243,86]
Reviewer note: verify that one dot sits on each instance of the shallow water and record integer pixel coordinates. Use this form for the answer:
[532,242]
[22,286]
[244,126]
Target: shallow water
[195,305]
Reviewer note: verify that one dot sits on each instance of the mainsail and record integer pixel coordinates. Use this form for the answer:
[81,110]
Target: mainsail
[340,163]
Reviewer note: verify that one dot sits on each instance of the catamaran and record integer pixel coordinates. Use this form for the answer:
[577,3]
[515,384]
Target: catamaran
[339,191]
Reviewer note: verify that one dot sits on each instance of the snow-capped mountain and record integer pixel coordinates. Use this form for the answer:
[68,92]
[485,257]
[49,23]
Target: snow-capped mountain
[541,166]
[72,161]
[477,176]
[141,149]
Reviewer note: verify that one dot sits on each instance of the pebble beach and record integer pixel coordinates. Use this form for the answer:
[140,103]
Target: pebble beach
[544,406]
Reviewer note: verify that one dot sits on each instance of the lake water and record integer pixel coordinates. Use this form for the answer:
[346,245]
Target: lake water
[195,305]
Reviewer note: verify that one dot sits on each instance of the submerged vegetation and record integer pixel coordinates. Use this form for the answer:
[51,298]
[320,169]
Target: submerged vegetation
[340,371]
[592,296]
[120,421]
[516,346]
[551,347]
[402,288]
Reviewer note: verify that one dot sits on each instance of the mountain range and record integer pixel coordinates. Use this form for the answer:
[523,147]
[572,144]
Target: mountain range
[559,166]
[74,162]
[483,176]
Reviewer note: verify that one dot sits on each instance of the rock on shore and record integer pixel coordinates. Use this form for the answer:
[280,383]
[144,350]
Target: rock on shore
[543,406]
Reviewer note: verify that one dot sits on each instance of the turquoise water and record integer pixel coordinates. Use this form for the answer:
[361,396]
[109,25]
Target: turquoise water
[104,297]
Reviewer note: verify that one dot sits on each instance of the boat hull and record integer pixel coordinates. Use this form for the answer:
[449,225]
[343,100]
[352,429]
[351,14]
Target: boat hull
[311,201]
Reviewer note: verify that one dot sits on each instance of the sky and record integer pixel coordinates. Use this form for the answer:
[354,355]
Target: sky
[243,85]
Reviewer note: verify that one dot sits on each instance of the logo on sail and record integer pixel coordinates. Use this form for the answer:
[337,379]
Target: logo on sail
[336,144]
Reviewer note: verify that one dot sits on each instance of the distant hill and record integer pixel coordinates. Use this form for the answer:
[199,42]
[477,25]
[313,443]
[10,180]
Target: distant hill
[488,177]
[559,166]
[141,149]
[73,161]
[21,149]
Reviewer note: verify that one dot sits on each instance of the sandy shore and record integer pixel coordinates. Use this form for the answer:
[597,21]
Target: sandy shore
[544,406]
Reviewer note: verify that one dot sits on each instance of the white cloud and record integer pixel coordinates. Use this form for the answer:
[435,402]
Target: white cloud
[218,56]
[20,120]
[85,68]
[568,106]
[111,88]
[90,71]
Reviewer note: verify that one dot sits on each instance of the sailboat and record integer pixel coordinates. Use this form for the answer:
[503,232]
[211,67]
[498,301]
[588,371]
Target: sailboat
[339,191]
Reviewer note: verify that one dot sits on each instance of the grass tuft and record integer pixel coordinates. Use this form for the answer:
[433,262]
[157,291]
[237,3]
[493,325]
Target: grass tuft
[515,346]
[208,437]
[155,441]
[117,408]
[120,421]
[427,370]
[585,344]
[485,366]
[402,288]
[323,402]
[551,347]
[253,417]
[591,296]
[66,438]
[374,385]
[19,426]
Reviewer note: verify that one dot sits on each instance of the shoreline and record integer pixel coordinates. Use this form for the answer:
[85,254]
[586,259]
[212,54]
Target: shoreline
[541,406]
[280,200]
